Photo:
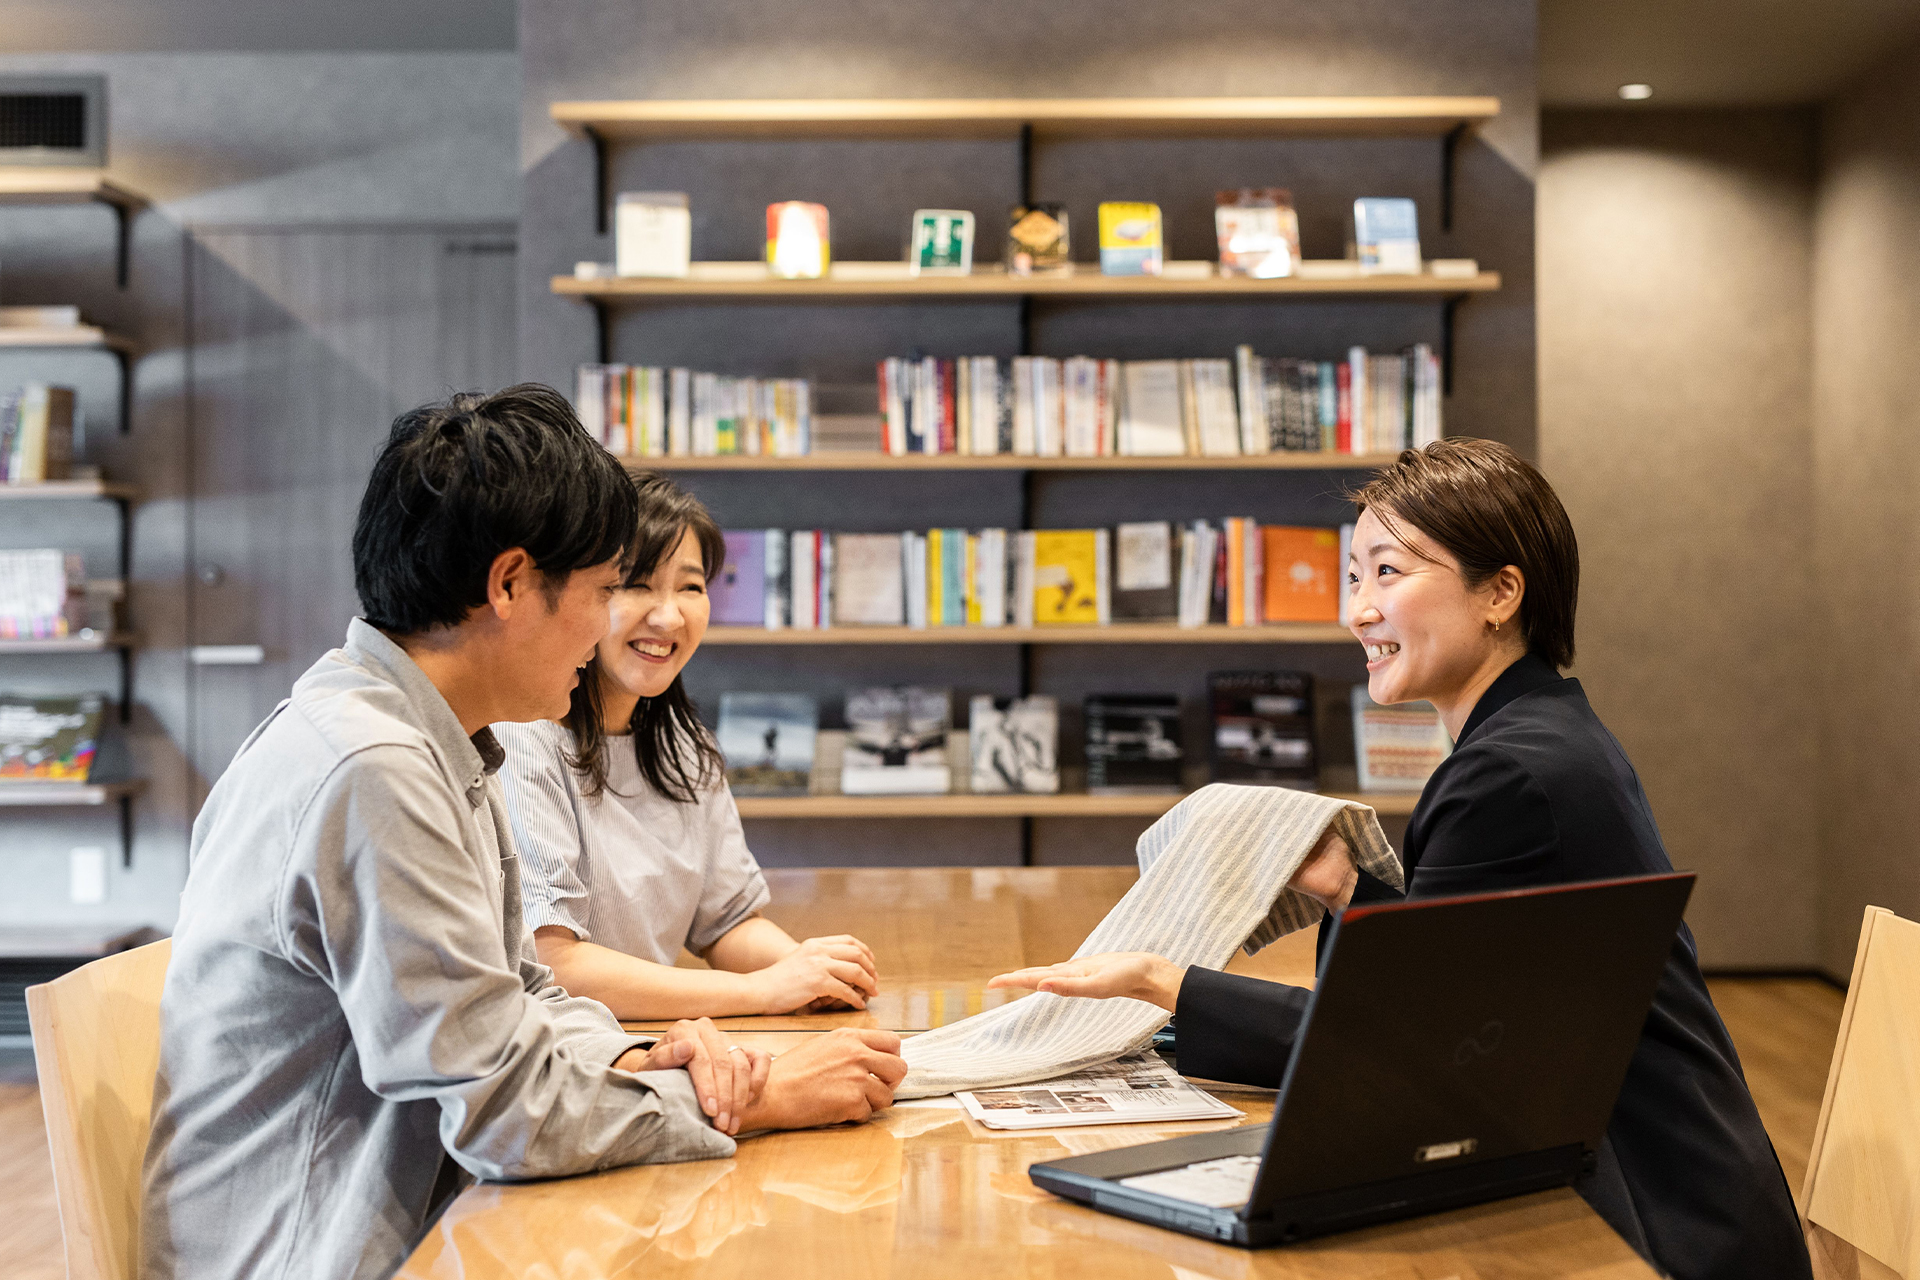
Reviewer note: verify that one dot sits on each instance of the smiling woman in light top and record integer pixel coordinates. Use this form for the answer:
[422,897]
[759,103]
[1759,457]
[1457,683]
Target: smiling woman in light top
[630,843]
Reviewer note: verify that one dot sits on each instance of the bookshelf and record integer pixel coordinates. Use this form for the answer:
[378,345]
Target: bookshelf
[79,795]
[55,186]
[661,120]
[750,280]
[1117,633]
[603,125]
[966,805]
[78,337]
[1007,462]
[66,490]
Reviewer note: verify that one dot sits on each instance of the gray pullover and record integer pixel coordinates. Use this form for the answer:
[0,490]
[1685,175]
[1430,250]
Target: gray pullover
[353,999]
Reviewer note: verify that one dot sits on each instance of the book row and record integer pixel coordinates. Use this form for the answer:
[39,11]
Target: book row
[648,412]
[1037,406]
[1235,572]
[36,433]
[903,741]
[1088,408]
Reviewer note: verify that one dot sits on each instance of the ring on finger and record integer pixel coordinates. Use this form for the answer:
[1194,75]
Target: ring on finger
[734,1048]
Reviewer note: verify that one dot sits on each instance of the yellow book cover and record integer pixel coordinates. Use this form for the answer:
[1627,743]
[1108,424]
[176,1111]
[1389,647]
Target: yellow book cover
[1129,238]
[1066,570]
[972,579]
[936,581]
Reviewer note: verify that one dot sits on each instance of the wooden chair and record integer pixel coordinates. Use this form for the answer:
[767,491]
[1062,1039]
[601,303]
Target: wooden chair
[96,1043]
[1861,1203]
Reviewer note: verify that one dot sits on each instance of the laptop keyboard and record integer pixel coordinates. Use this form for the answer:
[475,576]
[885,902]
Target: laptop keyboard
[1226,1183]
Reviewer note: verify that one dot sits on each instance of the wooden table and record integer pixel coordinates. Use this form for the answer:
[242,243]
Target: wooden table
[924,1191]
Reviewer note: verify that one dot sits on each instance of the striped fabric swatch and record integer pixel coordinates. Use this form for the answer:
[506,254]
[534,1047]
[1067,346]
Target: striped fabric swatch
[1213,876]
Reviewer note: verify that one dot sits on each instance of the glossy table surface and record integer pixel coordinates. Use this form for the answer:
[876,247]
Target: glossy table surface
[921,1190]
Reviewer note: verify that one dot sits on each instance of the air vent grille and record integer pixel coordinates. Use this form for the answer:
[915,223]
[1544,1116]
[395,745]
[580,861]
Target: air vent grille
[43,120]
[53,120]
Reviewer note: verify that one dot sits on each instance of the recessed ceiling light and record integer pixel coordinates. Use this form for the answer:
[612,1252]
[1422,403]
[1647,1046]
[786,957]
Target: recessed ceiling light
[1636,92]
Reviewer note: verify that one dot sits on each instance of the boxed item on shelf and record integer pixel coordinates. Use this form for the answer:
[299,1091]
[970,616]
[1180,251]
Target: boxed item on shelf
[42,594]
[1386,236]
[1014,744]
[652,234]
[1262,725]
[942,243]
[1130,243]
[897,742]
[768,742]
[1397,748]
[1037,240]
[797,240]
[49,739]
[1133,743]
[1258,231]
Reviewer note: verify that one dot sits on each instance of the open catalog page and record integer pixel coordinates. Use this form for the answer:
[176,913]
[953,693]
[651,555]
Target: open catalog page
[1135,1089]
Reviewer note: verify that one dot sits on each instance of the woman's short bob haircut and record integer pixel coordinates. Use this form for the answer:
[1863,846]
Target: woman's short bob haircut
[1489,508]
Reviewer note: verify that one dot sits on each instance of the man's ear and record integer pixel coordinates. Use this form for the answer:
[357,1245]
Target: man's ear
[511,579]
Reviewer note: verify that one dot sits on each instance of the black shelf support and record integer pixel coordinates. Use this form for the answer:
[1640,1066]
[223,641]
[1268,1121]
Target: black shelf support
[126,682]
[1446,342]
[600,178]
[1449,158]
[123,238]
[126,832]
[126,389]
[1026,165]
[602,330]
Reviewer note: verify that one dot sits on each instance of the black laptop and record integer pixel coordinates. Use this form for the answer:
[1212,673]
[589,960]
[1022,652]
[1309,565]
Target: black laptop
[1455,1050]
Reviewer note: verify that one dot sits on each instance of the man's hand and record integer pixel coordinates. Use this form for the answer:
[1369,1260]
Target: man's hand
[821,973]
[1328,875]
[727,1078]
[843,1075]
[1136,975]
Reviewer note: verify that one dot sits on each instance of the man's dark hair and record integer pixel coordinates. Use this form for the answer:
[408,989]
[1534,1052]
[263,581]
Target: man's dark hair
[1489,508]
[460,481]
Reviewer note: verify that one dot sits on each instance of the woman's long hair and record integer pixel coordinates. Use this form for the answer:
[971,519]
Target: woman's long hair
[677,756]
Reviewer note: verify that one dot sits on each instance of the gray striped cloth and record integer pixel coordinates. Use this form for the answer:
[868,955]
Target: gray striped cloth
[1213,876]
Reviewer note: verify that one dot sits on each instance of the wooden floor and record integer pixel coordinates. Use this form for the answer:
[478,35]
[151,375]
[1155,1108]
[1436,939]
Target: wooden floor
[1784,1028]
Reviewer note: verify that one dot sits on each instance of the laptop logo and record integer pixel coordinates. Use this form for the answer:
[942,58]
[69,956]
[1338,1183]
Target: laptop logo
[1446,1150]
[1480,1044]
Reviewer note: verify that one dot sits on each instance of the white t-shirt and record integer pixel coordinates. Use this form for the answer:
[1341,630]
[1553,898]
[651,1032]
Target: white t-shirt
[627,869]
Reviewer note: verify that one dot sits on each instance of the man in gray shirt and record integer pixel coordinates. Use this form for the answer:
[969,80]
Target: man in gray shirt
[353,1023]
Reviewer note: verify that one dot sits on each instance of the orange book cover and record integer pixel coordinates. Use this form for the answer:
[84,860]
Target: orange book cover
[1236,575]
[1303,574]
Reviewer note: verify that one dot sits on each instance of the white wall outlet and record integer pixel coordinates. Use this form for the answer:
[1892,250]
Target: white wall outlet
[87,874]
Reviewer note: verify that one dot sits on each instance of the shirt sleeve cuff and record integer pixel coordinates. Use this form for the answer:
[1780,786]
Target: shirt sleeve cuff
[686,1133]
[541,914]
[1372,889]
[1227,1027]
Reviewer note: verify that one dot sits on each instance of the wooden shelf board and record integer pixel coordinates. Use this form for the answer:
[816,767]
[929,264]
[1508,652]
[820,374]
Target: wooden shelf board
[1003,117]
[72,644]
[1012,462]
[1005,806]
[22,184]
[866,280]
[1120,633]
[66,794]
[46,490]
[83,337]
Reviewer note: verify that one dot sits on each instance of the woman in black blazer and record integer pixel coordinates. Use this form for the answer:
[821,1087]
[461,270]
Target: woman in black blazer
[1464,576]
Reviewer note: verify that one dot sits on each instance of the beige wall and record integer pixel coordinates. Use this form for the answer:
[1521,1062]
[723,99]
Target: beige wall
[1867,471]
[1675,281]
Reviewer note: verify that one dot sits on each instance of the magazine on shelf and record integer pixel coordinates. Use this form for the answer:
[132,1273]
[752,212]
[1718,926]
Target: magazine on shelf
[1014,744]
[49,739]
[1137,1089]
[1263,728]
[897,742]
[767,739]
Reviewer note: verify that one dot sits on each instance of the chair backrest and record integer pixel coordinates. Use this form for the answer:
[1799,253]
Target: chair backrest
[96,1044]
[1862,1193]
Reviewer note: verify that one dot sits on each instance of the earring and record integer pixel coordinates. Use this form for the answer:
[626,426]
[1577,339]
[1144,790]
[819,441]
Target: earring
[1496,624]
